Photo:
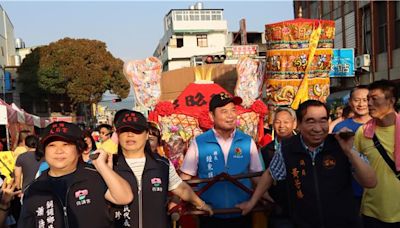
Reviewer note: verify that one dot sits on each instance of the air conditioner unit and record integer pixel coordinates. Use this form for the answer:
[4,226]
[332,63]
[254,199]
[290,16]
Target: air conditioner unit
[362,61]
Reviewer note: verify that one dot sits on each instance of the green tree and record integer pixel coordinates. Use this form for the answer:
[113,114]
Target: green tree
[81,69]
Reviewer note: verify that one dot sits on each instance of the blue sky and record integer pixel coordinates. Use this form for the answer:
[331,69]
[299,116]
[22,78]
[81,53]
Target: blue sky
[131,29]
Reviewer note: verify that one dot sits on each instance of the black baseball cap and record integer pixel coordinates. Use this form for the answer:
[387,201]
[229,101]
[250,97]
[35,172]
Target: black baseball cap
[128,119]
[62,131]
[222,99]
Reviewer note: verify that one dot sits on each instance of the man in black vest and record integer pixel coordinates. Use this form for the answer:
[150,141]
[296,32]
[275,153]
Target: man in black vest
[318,169]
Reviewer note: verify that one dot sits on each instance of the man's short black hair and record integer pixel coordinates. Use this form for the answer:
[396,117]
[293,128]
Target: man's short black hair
[388,88]
[106,126]
[222,99]
[346,111]
[22,135]
[302,110]
[32,141]
[357,88]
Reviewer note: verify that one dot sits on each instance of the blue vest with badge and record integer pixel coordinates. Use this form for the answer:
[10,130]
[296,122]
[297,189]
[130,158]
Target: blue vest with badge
[224,194]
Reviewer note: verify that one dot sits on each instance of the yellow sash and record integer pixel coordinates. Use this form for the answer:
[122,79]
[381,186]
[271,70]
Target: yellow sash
[302,93]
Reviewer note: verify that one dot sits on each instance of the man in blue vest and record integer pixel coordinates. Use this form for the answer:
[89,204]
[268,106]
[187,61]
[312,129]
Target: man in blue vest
[223,149]
[318,170]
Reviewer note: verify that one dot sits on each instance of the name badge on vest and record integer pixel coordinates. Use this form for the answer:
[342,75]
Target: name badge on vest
[156,182]
[81,197]
[328,162]
[238,153]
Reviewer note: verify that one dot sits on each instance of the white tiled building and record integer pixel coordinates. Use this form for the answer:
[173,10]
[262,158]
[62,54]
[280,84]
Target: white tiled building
[7,39]
[8,57]
[191,32]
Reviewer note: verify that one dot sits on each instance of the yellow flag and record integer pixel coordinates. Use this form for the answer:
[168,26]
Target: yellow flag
[108,146]
[7,163]
[302,93]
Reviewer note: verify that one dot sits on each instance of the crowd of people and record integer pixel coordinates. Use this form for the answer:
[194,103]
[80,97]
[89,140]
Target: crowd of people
[312,178]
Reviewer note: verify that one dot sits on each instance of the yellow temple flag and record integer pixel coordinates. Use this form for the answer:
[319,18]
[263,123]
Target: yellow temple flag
[108,146]
[302,93]
[7,163]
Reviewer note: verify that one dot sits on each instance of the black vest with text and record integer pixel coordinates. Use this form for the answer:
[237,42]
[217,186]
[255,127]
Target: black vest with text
[150,205]
[320,191]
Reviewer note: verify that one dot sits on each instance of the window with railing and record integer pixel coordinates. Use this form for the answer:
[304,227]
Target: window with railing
[397,26]
[367,30]
[168,22]
[337,11]
[202,40]
[314,9]
[178,16]
[326,10]
[348,6]
[205,15]
[382,26]
[304,6]
[216,15]
[197,15]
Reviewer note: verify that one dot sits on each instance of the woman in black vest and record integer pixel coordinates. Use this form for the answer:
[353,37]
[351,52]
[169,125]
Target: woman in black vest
[150,176]
[69,194]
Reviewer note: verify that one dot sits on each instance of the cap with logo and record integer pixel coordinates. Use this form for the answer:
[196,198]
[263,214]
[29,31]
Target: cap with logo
[62,131]
[222,99]
[127,119]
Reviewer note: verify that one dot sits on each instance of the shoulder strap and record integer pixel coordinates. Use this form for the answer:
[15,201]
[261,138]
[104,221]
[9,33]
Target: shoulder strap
[386,157]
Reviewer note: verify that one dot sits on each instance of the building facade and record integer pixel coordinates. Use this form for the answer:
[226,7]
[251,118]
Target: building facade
[372,28]
[8,57]
[191,32]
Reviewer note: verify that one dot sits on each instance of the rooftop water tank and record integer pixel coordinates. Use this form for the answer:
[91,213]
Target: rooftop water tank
[19,43]
[198,6]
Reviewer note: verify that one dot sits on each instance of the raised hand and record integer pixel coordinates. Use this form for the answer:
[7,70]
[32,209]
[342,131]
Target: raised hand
[8,193]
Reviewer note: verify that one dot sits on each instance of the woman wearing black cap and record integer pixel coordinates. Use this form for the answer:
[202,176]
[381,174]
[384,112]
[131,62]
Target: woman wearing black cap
[150,175]
[69,194]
